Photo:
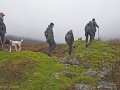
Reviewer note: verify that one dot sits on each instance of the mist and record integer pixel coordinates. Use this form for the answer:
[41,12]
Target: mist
[30,18]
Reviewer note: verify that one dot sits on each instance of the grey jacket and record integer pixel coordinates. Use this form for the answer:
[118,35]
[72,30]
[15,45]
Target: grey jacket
[94,26]
[50,36]
[69,38]
[2,27]
[88,28]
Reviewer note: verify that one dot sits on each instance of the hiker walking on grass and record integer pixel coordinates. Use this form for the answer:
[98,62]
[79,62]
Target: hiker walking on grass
[50,38]
[94,27]
[2,30]
[88,32]
[69,38]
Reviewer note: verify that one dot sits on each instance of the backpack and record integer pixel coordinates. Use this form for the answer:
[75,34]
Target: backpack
[46,33]
[68,36]
[88,28]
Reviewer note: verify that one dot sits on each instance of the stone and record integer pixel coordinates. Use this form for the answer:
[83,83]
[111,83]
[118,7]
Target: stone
[104,72]
[74,61]
[106,86]
[105,53]
[63,60]
[56,76]
[67,74]
[67,66]
[83,87]
[91,73]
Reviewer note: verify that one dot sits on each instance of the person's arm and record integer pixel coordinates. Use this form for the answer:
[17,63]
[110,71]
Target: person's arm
[96,25]
[49,33]
[65,38]
[85,30]
[72,38]
[1,25]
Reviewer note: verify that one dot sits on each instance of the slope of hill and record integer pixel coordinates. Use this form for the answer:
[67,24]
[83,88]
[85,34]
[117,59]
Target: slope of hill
[87,67]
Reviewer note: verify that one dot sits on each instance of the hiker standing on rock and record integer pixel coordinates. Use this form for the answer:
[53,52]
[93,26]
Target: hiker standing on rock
[94,27]
[88,32]
[50,38]
[69,38]
[2,30]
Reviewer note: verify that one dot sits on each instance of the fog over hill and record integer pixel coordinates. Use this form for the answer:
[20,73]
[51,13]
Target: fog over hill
[25,39]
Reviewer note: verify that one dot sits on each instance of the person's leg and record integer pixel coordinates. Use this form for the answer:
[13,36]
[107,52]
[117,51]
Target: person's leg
[52,47]
[0,43]
[2,38]
[93,35]
[90,38]
[48,51]
[70,49]
[87,40]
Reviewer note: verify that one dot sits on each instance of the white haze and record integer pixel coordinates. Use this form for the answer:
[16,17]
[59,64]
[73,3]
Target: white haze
[30,18]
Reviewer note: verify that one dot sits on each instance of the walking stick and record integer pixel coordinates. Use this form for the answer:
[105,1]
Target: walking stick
[98,34]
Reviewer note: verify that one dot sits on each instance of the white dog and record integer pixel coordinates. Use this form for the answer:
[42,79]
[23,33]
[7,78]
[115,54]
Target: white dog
[14,43]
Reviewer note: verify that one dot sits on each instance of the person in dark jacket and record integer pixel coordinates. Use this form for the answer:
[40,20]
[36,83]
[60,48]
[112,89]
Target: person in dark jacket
[50,39]
[88,32]
[69,38]
[94,27]
[2,30]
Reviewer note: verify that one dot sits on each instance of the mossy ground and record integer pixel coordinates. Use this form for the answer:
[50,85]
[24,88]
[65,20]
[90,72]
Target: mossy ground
[35,71]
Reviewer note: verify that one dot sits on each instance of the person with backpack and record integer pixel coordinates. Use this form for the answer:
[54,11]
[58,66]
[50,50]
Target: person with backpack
[2,30]
[69,38]
[50,38]
[88,32]
[94,27]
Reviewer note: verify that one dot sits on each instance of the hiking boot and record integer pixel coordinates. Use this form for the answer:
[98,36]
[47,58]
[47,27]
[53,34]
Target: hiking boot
[49,54]
[86,45]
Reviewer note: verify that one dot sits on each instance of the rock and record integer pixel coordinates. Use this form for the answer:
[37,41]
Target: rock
[106,86]
[83,87]
[68,74]
[74,61]
[56,76]
[63,60]
[67,66]
[104,72]
[105,53]
[91,73]
[119,60]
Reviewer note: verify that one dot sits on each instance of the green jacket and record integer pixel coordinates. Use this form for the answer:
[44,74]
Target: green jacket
[50,34]
[94,26]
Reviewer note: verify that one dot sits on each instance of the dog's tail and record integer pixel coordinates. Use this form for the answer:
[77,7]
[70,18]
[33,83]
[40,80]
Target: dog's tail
[21,40]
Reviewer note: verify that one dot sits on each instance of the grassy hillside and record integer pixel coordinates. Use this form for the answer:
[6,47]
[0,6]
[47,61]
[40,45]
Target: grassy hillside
[36,71]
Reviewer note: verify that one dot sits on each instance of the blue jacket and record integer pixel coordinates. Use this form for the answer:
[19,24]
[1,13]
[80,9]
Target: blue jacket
[2,27]
[89,28]
[69,38]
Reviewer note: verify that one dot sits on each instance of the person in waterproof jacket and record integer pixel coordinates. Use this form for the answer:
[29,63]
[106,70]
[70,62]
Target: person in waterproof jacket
[2,30]
[94,27]
[69,38]
[88,32]
[50,39]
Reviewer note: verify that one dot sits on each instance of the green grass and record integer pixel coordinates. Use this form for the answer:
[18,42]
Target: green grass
[35,70]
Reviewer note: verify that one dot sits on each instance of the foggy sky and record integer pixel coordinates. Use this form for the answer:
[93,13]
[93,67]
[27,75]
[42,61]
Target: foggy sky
[30,18]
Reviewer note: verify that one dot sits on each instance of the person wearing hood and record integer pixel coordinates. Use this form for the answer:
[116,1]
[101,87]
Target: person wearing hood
[2,30]
[69,38]
[50,38]
[94,27]
[88,32]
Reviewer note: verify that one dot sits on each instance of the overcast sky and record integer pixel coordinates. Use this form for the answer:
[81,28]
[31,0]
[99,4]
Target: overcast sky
[30,18]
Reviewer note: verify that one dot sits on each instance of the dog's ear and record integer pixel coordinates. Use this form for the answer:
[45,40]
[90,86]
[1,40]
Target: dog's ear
[7,41]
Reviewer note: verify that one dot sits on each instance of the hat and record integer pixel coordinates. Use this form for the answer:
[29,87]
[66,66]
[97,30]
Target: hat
[93,19]
[51,23]
[2,14]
